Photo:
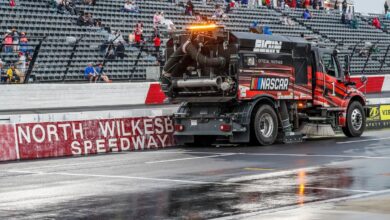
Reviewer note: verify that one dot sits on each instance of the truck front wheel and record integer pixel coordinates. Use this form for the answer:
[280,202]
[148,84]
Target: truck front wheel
[266,125]
[356,120]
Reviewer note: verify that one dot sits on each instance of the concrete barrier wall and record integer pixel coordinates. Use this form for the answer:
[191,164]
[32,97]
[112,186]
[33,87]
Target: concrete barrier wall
[374,84]
[36,136]
[49,96]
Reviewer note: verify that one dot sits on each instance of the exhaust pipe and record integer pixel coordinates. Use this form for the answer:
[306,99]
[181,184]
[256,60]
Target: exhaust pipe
[195,83]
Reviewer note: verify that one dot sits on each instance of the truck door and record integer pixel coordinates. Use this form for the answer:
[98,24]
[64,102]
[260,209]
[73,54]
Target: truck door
[330,88]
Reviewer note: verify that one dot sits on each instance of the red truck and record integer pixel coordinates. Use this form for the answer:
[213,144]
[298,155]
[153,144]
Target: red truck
[253,88]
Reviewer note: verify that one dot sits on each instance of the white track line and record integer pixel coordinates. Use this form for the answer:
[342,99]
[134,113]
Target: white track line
[212,156]
[175,180]
[189,158]
[111,161]
[315,155]
[366,140]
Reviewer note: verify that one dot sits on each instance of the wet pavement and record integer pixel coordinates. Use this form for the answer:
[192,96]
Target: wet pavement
[200,183]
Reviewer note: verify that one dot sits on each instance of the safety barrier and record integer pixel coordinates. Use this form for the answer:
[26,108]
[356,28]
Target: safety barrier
[374,84]
[46,135]
[63,96]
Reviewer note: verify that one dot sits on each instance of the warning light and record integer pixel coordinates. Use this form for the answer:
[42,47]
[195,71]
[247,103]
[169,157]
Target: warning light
[202,27]
[301,105]
[225,127]
[179,128]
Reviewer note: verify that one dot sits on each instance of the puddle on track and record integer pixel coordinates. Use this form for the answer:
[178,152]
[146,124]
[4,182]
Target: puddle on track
[209,200]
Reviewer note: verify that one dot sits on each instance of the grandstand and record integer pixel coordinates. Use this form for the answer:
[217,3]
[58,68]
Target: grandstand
[38,20]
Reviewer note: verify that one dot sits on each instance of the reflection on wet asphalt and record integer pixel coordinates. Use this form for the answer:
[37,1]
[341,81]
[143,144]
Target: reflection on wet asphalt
[211,200]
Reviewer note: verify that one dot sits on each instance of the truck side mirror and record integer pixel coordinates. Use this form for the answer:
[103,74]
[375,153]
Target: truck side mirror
[347,65]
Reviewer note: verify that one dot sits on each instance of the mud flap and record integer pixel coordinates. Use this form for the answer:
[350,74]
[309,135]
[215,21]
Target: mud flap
[182,140]
[292,137]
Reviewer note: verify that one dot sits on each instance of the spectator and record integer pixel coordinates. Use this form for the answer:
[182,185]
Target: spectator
[89,73]
[60,6]
[306,3]
[138,31]
[169,24]
[23,42]
[90,2]
[268,4]
[120,50]
[70,7]
[218,13]
[293,3]
[229,7]
[90,21]
[354,23]
[321,4]
[345,6]
[255,28]
[83,20]
[267,30]
[349,17]
[15,39]
[157,19]
[21,67]
[365,51]
[287,21]
[315,4]
[198,18]
[11,73]
[157,44]
[99,72]
[386,7]
[53,4]
[376,23]
[8,42]
[189,8]
[118,37]
[98,24]
[12,3]
[300,3]
[244,3]
[130,7]
[282,4]
[343,18]
[387,16]
[336,5]
[307,14]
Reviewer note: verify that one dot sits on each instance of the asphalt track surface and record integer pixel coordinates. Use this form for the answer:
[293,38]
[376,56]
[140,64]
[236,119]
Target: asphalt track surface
[197,183]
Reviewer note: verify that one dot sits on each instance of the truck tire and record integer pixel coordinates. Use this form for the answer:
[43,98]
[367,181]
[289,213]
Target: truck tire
[356,120]
[266,125]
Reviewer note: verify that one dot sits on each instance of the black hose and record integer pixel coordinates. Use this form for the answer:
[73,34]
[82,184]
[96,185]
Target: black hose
[190,49]
[173,60]
[203,61]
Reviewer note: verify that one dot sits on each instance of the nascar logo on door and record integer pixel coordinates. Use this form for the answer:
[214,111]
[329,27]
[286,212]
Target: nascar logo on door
[270,84]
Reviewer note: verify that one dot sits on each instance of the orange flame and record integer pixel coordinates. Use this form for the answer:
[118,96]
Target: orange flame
[202,27]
